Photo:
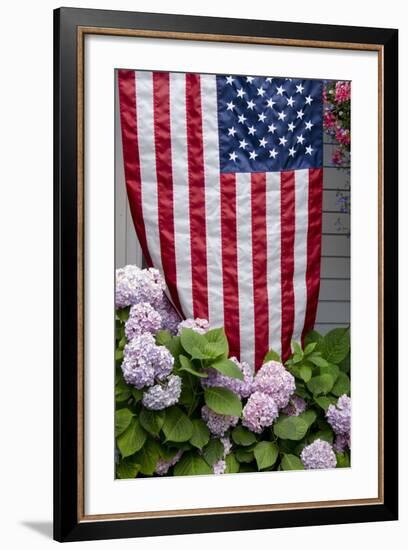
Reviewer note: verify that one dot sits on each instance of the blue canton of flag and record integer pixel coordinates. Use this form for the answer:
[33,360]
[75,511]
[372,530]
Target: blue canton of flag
[269,124]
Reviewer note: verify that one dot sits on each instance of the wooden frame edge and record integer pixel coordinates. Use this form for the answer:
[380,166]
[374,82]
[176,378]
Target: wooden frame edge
[81,32]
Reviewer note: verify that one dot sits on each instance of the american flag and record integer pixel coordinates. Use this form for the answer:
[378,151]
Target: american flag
[224,180]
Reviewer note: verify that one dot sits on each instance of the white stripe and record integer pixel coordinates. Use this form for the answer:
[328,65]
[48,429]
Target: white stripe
[147,154]
[181,209]
[245,272]
[273,237]
[300,250]
[212,199]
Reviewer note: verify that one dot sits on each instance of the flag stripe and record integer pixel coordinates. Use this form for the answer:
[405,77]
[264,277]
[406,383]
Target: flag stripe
[147,153]
[197,196]
[314,239]
[229,262]
[127,98]
[287,258]
[300,251]
[259,266]
[244,262]
[273,217]
[181,206]
[162,139]
[212,198]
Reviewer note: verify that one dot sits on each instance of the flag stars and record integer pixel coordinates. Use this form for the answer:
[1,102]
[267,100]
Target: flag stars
[232,131]
[299,88]
[260,91]
[251,130]
[249,79]
[283,141]
[290,101]
[241,119]
[230,106]
[269,79]
[292,152]
[250,105]
[272,128]
[273,153]
[253,155]
[300,114]
[308,125]
[233,156]
[229,79]
[270,103]
[241,93]
[282,115]
[308,100]
[243,144]
[280,90]
[291,127]
[261,117]
[300,139]
[309,150]
[262,142]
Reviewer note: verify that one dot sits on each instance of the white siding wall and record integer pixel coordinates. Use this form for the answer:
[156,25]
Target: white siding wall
[334,300]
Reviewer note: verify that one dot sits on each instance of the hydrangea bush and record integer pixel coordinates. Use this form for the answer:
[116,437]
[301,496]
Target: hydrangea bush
[185,407]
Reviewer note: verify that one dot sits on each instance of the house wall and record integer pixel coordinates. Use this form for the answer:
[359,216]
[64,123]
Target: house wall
[334,300]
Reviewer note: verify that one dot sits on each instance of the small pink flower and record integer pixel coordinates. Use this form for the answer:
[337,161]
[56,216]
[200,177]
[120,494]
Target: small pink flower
[343,90]
[328,120]
[337,157]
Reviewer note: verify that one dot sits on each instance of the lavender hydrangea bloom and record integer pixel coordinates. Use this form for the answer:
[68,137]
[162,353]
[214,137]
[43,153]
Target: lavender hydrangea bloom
[170,317]
[295,407]
[339,416]
[161,396]
[218,424]
[259,412]
[243,388]
[198,325]
[135,285]
[144,361]
[273,379]
[227,445]
[341,443]
[318,455]
[219,467]
[142,318]
[163,466]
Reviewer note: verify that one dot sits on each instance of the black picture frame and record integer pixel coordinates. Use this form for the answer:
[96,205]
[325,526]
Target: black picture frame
[67,525]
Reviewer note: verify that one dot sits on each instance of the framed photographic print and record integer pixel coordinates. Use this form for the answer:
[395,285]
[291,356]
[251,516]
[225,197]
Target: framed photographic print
[225,274]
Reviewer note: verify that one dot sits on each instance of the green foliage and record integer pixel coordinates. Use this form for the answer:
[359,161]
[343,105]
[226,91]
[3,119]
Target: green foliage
[192,464]
[290,427]
[227,368]
[232,464]
[201,434]
[266,453]
[242,436]
[213,452]
[127,468]
[123,417]
[177,426]
[148,456]
[223,401]
[336,345]
[291,462]
[132,439]
[152,421]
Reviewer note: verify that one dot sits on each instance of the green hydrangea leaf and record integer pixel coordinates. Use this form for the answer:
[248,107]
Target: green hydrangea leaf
[177,426]
[242,436]
[290,427]
[223,401]
[201,434]
[132,439]
[192,464]
[123,418]
[213,452]
[266,453]
[291,462]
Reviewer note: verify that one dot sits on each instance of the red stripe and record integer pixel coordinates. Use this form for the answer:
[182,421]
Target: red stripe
[196,196]
[314,244]
[230,261]
[259,266]
[287,259]
[162,139]
[128,117]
